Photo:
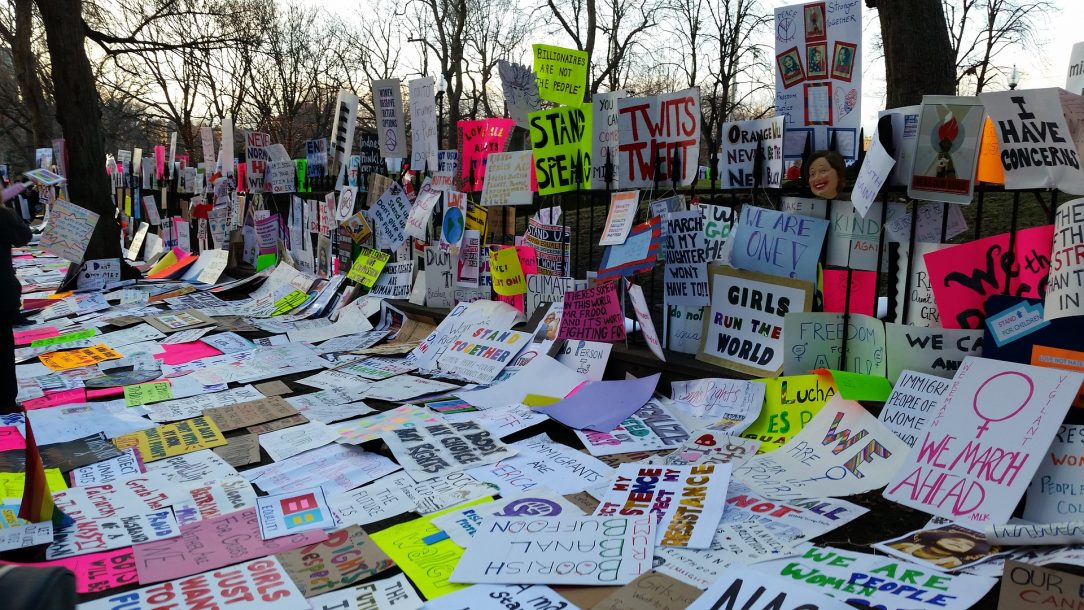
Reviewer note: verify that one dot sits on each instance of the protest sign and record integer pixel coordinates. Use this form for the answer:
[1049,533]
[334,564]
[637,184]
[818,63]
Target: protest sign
[934,351]
[911,405]
[516,549]
[369,428]
[1031,587]
[843,444]
[93,535]
[368,266]
[562,154]
[743,328]
[741,141]
[818,77]
[79,452]
[643,315]
[777,243]
[718,223]
[789,404]
[547,289]
[912,273]
[593,314]
[445,178]
[1036,147]
[652,428]
[260,584]
[389,218]
[97,572]
[947,149]
[347,556]
[659,139]
[390,121]
[685,279]
[636,255]
[394,281]
[194,406]
[816,341]
[480,354]
[604,134]
[281,444]
[77,358]
[439,281]
[68,231]
[1053,496]
[478,140]
[723,404]
[552,244]
[747,585]
[173,439]
[561,73]
[952,450]
[520,88]
[292,513]
[686,501]
[455,218]
[850,291]
[623,206]
[876,168]
[541,463]
[587,358]
[94,275]
[505,264]
[249,413]
[436,449]
[500,597]
[1065,283]
[125,465]
[418,220]
[509,179]
[214,499]
[423,124]
[622,398]
[144,393]
[964,276]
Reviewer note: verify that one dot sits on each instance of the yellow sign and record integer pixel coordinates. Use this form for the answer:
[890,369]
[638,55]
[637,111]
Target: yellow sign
[561,74]
[476,219]
[367,266]
[990,169]
[173,439]
[507,272]
[12,482]
[73,359]
[146,393]
[169,259]
[289,302]
[561,140]
[427,565]
[789,404]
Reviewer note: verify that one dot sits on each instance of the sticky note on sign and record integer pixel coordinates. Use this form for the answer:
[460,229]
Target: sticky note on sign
[507,272]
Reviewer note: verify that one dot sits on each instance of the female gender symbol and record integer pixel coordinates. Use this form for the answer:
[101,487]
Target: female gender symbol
[975,401]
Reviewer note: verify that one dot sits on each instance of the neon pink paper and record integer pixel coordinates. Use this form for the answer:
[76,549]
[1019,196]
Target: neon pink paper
[24,337]
[11,438]
[964,276]
[56,399]
[211,544]
[862,288]
[180,353]
[593,314]
[96,572]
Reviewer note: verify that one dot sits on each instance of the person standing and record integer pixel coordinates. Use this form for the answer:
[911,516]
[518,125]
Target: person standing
[13,233]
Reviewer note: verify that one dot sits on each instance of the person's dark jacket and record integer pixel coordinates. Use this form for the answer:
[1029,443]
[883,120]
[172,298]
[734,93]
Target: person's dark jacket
[13,233]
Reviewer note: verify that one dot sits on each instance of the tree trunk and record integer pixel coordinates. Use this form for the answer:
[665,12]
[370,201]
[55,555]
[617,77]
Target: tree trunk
[26,74]
[78,113]
[915,65]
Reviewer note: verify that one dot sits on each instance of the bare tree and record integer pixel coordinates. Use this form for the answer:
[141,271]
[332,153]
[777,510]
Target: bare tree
[981,31]
[739,72]
[913,70]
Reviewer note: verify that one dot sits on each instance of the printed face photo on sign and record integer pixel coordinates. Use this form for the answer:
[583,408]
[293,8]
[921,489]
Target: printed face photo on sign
[825,174]
[843,60]
[814,22]
[816,63]
[790,66]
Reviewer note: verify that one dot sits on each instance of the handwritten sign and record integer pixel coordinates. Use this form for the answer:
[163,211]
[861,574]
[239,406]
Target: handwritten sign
[423,124]
[935,351]
[367,266]
[507,272]
[912,403]
[394,281]
[390,217]
[1054,493]
[593,314]
[815,340]
[740,143]
[173,439]
[1036,148]
[561,74]
[438,449]
[622,214]
[659,139]
[418,221]
[604,134]
[992,407]
[552,245]
[480,354]
[68,231]
[743,328]
[1066,284]
[479,139]
[144,393]
[637,255]
[562,156]
[509,179]
[390,121]
[778,243]
[520,88]
[686,273]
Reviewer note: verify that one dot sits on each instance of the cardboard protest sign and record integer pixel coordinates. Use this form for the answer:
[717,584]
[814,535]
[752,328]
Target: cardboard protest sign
[347,556]
[815,341]
[818,76]
[741,141]
[947,149]
[173,439]
[561,73]
[481,353]
[436,449]
[984,394]
[562,155]
[509,179]
[687,501]
[743,327]
[423,124]
[1053,496]
[478,140]
[1036,147]
[257,584]
[593,314]
[390,121]
[912,403]
[685,279]
[746,585]
[520,88]
[249,413]
[493,556]
[1064,286]
[389,217]
[777,243]
[368,266]
[964,276]
[659,139]
[68,231]
[604,139]
[637,255]
[843,444]
[1031,587]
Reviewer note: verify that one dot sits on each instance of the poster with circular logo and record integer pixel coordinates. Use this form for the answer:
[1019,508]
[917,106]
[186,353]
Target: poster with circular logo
[452,228]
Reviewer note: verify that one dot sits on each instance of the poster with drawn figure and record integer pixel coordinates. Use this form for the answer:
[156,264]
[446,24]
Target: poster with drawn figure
[947,149]
[520,88]
[390,121]
[818,75]
[992,408]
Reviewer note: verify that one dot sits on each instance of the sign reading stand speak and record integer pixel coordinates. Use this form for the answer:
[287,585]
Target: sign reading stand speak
[561,74]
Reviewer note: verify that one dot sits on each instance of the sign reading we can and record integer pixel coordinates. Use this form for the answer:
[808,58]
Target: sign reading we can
[562,159]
